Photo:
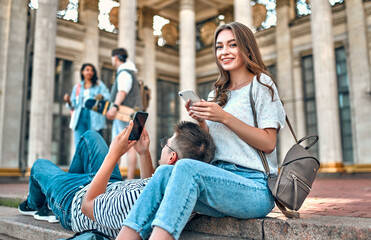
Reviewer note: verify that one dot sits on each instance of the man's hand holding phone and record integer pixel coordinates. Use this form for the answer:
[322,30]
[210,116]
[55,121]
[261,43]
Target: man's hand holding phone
[121,143]
[142,145]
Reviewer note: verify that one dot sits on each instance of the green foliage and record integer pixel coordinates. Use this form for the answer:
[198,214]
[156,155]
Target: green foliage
[10,202]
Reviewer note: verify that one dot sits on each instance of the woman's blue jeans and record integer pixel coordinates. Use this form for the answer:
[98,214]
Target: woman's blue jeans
[48,183]
[218,190]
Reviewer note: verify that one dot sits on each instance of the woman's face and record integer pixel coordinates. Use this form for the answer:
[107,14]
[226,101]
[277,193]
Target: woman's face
[227,52]
[87,72]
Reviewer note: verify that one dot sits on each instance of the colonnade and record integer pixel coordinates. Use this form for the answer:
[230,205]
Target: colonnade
[288,70]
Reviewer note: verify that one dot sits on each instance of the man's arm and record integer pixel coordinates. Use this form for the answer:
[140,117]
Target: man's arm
[119,146]
[119,99]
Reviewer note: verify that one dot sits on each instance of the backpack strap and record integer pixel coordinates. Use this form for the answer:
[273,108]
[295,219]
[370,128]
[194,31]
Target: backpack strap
[284,210]
[78,88]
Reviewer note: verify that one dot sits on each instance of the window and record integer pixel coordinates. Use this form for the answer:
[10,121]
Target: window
[108,77]
[203,89]
[310,99]
[303,6]
[61,137]
[167,110]
[272,69]
[344,105]
[61,140]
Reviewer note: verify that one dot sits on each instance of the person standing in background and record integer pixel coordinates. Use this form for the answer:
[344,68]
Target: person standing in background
[125,91]
[83,119]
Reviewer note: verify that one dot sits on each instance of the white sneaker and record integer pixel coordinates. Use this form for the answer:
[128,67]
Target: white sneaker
[45,214]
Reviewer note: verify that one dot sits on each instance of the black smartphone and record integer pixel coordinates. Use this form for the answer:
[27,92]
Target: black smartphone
[140,119]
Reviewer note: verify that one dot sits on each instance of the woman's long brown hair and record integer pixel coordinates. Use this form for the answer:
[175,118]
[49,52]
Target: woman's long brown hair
[251,56]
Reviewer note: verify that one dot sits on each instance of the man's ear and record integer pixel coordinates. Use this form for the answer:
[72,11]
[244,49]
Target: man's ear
[173,158]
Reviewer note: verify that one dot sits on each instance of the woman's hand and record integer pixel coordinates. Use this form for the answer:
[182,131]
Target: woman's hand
[209,111]
[121,143]
[187,105]
[142,144]
[67,99]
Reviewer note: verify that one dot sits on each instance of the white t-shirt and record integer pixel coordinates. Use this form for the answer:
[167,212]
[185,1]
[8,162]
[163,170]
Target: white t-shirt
[124,79]
[270,114]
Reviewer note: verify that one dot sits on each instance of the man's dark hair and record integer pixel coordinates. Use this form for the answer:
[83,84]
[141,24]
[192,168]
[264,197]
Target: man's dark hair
[121,53]
[191,141]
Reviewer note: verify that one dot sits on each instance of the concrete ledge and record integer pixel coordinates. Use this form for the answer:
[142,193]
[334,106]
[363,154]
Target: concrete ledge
[278,227]
[14,226]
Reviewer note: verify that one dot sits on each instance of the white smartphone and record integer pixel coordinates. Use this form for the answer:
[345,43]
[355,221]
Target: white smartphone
[189,95]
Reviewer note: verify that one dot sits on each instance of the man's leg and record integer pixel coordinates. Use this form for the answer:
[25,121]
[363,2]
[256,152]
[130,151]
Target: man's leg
[90,153]
[43,174]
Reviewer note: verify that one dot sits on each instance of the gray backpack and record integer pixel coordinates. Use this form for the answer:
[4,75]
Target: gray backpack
[296,176]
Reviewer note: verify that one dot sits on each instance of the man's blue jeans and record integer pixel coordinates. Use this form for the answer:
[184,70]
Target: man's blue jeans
[218,190]
[48,183]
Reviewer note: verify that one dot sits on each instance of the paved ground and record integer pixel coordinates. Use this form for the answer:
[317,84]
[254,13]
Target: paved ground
[339,195]
[338,207]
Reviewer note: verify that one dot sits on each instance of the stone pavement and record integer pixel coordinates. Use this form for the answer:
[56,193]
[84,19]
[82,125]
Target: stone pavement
[338,207]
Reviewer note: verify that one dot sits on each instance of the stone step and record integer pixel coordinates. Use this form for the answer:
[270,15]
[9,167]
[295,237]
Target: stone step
[14,226]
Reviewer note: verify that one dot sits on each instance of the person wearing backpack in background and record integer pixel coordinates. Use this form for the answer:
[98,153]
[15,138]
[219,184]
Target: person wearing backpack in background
[235,183]
[90,86]
[125,91]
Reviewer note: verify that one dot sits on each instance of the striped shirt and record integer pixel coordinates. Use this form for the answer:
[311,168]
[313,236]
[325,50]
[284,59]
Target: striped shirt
[110,208]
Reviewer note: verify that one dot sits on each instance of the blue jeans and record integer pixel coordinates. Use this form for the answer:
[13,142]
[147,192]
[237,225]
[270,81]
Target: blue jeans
[117,127]
[48,183]
[218,190]
[83,125]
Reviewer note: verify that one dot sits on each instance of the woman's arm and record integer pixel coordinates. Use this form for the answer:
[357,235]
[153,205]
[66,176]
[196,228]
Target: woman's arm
[262,139]
[119,146]
[71,100]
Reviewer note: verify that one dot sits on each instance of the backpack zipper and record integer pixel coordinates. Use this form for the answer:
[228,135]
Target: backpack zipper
[297,178]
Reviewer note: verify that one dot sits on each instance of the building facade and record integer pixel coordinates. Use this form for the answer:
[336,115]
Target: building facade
[319,60]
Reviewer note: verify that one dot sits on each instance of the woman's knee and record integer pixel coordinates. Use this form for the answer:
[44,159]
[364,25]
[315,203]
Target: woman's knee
[164,170]
[189,165]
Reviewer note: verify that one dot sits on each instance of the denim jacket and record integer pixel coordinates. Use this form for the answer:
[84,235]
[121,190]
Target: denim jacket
[98,121]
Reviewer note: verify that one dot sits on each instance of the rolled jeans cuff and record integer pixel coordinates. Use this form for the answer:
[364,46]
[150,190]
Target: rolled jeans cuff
[160,224]
[137,228]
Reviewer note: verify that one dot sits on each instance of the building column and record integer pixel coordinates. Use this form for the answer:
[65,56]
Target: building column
[43,74]
[298,100]
[76,78]
[243,12]
[13,31]
[187,46]
[285,72]
[359,82]
[149,68]
[128,26]
[328,121]
[89,17]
